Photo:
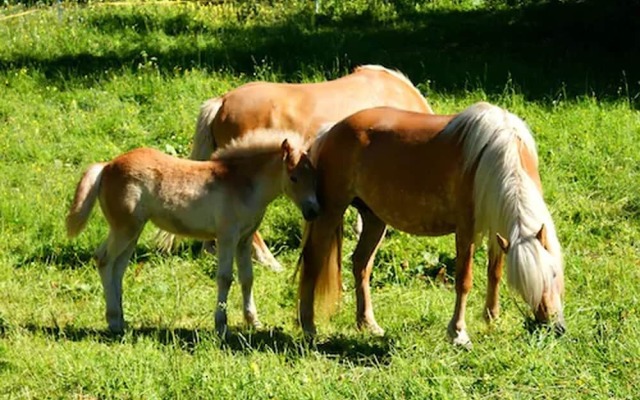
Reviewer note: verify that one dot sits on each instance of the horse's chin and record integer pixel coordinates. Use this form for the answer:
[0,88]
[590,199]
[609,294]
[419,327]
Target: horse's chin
[310,215]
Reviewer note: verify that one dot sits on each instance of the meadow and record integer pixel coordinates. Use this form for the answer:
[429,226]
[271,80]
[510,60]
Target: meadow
[83,82]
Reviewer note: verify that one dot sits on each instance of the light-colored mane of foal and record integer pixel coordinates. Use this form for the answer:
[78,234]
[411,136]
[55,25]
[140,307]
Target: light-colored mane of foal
[256,142]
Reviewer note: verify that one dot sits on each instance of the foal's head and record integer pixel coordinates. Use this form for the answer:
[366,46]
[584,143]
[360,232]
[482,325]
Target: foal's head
[299,183]
[542,291]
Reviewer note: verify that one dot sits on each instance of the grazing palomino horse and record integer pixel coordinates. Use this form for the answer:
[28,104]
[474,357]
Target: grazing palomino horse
[225,197]
[471,174]
[302,108]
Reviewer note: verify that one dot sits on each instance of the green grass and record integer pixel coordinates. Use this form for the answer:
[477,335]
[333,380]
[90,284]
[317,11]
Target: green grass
[94,81]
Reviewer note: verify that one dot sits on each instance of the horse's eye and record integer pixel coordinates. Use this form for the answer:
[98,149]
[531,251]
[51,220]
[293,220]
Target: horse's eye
[294,179]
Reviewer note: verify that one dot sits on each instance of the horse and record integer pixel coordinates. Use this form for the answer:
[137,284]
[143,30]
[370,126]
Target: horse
[471,174]
[302,108]
[224,197]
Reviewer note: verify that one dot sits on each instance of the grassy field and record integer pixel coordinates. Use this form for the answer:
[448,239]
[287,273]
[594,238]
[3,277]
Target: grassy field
[82,83]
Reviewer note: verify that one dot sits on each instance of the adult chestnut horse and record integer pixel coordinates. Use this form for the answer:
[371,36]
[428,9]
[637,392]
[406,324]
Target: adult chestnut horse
[471,174]
[302,108]
[224,197]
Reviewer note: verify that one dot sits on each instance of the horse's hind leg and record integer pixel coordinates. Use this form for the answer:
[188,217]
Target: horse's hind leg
[110,256]
[372,232]
[263,254]
[120,266]
[227,245]
[245,275]
[494,274]
[457,329]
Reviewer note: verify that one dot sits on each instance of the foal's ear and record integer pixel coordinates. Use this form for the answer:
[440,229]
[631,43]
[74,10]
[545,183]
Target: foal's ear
[542,236]
[286,149]
[503,243]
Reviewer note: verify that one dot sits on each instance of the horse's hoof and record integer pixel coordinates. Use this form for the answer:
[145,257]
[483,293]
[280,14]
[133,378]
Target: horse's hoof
[491,315]
[223,332]
[309,332]
[254,323]
[372,328]
[459,338]
[117,327]
[272,264]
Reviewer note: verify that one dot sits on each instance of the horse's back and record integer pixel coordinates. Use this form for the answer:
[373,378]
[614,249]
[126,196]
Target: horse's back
[399,164]
[304,107]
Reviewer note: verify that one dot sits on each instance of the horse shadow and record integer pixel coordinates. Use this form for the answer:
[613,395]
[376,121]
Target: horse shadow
[71,256]
[344,349]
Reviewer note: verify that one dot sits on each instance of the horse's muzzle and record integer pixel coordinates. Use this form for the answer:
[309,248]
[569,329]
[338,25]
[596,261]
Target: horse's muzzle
[310,210]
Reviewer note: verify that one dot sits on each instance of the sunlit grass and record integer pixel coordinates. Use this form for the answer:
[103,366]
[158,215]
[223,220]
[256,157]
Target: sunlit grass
[57,115]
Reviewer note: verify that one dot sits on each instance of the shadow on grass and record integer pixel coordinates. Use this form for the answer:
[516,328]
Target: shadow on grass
[549,50]
[72,256]
[373,351]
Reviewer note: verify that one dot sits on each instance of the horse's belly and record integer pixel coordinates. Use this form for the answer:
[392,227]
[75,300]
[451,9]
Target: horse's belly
[417,215]
[184,227]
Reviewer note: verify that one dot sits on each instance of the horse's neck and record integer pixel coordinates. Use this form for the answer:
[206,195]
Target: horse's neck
[261,172]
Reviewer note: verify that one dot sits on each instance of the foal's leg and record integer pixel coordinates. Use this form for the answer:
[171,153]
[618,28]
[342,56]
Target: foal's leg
[245,275]
[494,274]
[108,255]
[119,268]
[227,245]
[263,254]
[372,232]
[464,263]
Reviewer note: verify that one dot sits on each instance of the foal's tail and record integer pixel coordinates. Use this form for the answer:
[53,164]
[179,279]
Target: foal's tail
[204,143]
[84,199]
[320,263]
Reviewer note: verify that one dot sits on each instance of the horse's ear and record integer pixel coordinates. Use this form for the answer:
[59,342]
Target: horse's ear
[542,236]
[503,243]
[286,149]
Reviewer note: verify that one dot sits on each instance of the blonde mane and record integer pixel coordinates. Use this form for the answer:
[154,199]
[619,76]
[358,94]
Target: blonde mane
[398,75]
[260,141]
[507,201]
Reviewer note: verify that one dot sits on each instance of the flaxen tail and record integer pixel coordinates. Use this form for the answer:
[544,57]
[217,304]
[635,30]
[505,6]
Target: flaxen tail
[84,199]
[320,264]
[203,141]
[203,146]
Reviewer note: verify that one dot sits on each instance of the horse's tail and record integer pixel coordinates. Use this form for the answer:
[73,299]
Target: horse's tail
[506,199]
[320,264]
[84,199]
[204,143]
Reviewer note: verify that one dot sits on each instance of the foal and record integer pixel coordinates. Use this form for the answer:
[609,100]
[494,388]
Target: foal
[225,197]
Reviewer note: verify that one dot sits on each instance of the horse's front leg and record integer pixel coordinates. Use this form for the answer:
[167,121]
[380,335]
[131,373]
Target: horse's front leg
[227,245]
[457,329]
[494,274]
[245,275]
[362,258]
